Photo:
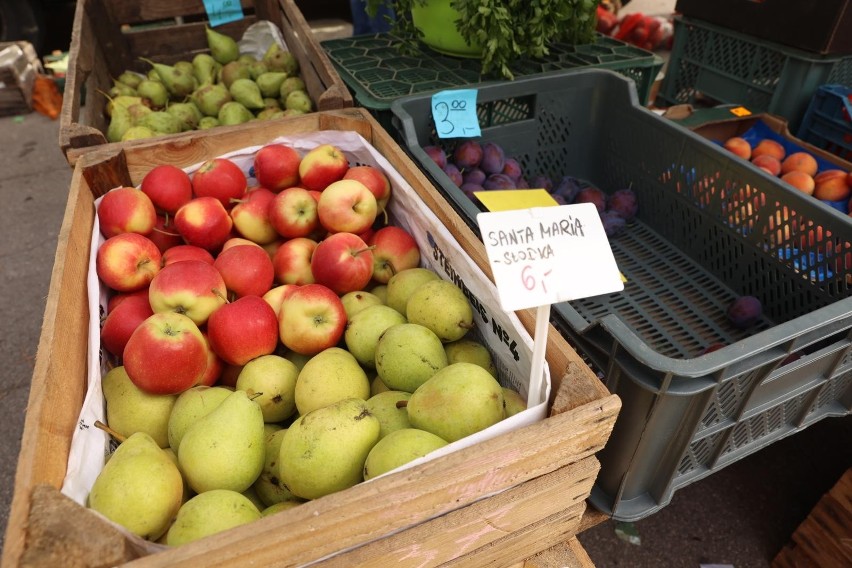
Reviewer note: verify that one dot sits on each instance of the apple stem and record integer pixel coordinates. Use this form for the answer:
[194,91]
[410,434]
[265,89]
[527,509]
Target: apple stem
[110,431]
[357,252]
[401,403]
[220,294]
[235,200]
[166,232]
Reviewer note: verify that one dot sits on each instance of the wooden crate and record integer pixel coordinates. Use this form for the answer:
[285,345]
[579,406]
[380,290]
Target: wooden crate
[19,65]
[497,502]
[103,46]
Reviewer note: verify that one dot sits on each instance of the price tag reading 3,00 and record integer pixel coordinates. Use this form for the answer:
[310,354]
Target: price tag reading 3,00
[454,113]
[223,11]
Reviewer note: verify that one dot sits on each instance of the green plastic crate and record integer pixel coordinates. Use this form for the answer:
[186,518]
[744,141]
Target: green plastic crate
[377,73]
[724,66]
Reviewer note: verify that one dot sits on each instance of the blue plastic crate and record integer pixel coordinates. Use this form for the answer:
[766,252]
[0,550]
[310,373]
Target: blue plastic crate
[828,121]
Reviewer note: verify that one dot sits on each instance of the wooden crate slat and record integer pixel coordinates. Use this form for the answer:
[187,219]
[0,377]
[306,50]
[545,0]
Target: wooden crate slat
[156,10]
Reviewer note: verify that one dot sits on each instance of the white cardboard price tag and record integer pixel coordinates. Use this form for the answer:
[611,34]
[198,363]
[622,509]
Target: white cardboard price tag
[545,255]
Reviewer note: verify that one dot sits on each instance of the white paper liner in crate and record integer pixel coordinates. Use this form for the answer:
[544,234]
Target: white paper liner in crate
[504,335]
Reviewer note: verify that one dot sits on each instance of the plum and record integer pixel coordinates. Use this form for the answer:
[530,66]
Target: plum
[468,154]
[522,183]
[613,223]
[499,181]
[559,199]
[493,158]
[744,312]
[712,347]
[474,175]
[512,168]
[568,187]
[540,181]
[454,174]
[469,189]
[437,154]
[592,195]
[624,203]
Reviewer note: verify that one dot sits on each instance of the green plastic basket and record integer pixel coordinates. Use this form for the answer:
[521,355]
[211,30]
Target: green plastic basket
[724,66]
[378,73]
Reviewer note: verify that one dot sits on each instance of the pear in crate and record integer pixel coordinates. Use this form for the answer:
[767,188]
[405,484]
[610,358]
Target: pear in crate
[278,507]
[459,400]
[130,79]
[161,122]
[324,451]
[138,133]
[129,409]
[224,449]
[383,406]
[470,351]
[289,85]
[233,71]
[299,101]
[402,284]
[234,113]
[179,81]
[269,487]
[119,123]
[190,406]
[120,89]
[204,68]
[139,488]
[354,302]
[270,380]
[407,355]
[398,448]
[364,329]
[187,113]
[256,68]
[211,98]
[513,402]
[223,48]
[154,91]
[441,306]
[278,59]
[331,375]
[210,513]
[247,93]
[270,83]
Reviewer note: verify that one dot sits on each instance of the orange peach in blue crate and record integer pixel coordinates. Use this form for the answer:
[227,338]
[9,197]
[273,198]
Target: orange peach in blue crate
[832,185]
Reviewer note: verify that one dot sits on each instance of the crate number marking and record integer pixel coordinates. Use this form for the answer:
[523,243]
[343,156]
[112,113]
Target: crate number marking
[454,113]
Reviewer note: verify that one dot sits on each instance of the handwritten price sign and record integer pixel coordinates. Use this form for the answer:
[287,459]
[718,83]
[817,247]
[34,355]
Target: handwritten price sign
[223,11]
[454,113]
[545,255]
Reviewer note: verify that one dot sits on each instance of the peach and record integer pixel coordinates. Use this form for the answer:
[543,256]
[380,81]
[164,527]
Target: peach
[767,162]
[800,161]
[738,146]
[849,179]
[769,146]
[831,185]
[800,180]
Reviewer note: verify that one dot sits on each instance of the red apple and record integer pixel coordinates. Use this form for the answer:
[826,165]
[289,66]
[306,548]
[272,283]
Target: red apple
[219,178]
[204,222]
[322,166]
[242,330]
[246,269]
[276,296]
[276,167]
[122,321]
[186,252]
[119,297]
[292,261]
[237,241]
[293,213]
[375,180]
[193,288]
[165,234]
[214,366]
[311,319]
[169,187]
[251,216]
[126,210]
[347,206]
[342,262]
[394,250]
[166,354]
[229,375]
[127,262]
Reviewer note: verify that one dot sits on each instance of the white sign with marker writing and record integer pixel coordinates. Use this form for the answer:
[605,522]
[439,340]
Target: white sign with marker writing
[545,255]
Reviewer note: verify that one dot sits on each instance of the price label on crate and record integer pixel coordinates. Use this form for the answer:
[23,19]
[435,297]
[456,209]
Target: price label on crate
[454,113]
[223,11]
[545,255]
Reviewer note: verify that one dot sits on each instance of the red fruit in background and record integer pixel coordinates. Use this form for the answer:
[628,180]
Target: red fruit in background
[165,235]
[214,366]
[169,187]
[242,330]
[126,210]
[499,181]
[712,347]
[512,168]
[292,261]
[322,166]
[767,162]
[437,154]
[493,159]
[186,252]
[293,212]
[744,312]
[276,167]
[204,222]
[394,250]
[251,216]
[119,297]
[127,262]
[624,203]
[122,321]
[592,195]
[613,223]
[246,270]
[342,262]
[221,179]
[467,154]
[375,180]
[454,174]
[473,175]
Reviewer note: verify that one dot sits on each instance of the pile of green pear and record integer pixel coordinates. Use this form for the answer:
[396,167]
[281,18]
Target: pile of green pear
[222,87]
[293,427]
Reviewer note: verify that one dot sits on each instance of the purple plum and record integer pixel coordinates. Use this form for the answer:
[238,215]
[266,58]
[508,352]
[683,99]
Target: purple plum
[454,174]
[522,183]
[744,312]
[624,203]
[512,168]
[469,189]
[493,158]
[559,199]
[437,154]
[468,154]
[568,187]
[613,223]
[542,182]
[592,195]
[474,175]
[499,181]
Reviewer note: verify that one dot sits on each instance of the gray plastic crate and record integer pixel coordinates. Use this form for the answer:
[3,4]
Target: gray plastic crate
[710,228]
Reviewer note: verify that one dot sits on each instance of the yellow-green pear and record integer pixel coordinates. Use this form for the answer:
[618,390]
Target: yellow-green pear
[225,449]
[331,375]
[204,68]
[398,448]
[513,402]
[232,113]
[154,91]
[210,513]
[254,497]
[130,79]
[247,93]
[381,292]
[139,488]
[278,507]
[279,59]
[441,306]
[119,123]
[208,122]
[138,133]
[324,451]
[190,406]
[459,400]
[269,83]
[377,385]
[290,85]
[129,409]
[269,486]
[407,354]
[354,302]
[364,329]
[270,380]
[297,359]
[383,407]
[223,48]
[402,284]
[470,351]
